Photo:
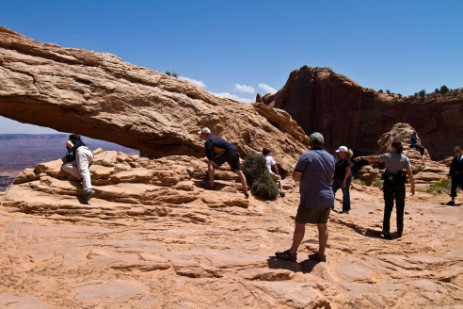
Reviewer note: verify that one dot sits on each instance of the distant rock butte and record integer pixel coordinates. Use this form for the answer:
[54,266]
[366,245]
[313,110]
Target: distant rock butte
[348,114]
[100,96]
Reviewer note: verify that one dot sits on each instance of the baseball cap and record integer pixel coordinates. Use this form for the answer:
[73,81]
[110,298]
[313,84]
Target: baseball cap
[317,137]
[342,149]
[205,130]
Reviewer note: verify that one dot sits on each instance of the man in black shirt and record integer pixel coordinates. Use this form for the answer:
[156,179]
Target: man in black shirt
[219,151]
[456,172]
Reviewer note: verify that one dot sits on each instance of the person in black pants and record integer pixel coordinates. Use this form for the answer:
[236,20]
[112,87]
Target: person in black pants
[456,172]
[414,143]
[394,184]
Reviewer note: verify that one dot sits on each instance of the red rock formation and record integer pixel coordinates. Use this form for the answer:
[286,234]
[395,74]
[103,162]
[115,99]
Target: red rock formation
[348,114]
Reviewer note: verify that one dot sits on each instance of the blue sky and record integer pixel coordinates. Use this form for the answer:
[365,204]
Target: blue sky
[233,46]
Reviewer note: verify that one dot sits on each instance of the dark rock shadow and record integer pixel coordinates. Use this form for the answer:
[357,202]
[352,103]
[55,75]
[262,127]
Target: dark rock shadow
[373,233]
[304,267]
[205,185]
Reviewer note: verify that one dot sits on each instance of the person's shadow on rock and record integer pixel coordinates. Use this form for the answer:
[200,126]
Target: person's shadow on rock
[304,267]
[205,185]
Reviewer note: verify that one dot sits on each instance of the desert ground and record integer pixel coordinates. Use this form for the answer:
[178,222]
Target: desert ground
[196,248]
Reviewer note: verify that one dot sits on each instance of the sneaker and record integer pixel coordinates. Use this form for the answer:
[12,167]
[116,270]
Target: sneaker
[88,195]
[317,257]
[451,203]
[344,212]
[286,256]
[387,235]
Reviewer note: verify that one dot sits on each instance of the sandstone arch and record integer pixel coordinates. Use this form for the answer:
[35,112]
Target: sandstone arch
[100,96]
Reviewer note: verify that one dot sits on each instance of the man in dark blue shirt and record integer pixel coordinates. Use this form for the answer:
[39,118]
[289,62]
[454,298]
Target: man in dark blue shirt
[314,170]
[219,151]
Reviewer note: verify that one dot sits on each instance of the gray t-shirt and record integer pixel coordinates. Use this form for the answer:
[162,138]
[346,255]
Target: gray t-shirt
[395,162]
[317,168]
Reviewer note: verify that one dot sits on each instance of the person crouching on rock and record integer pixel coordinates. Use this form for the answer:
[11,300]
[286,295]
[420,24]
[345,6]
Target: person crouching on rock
[219,151]
[456,173]
[78,159]
[273,169]
[394,184]
[314,170]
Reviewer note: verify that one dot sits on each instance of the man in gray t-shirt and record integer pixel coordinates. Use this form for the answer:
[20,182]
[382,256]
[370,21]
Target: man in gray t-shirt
[314,170]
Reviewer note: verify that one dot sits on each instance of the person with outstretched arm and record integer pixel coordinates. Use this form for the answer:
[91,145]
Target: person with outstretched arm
[394,184]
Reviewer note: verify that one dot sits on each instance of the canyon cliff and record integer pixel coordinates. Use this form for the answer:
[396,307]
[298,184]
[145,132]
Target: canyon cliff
[348,114]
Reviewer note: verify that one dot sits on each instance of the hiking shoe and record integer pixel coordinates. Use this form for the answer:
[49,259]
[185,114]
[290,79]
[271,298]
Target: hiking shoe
[88,195]
[451,203]
[286,256]
[344,212]
[317,257]
[282,194]
[246,194]
[387,236]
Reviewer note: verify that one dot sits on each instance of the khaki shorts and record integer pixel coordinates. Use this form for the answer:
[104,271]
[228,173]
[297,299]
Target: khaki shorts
[312,215]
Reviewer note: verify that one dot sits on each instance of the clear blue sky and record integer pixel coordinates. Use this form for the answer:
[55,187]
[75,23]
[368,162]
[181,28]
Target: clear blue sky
[401,45]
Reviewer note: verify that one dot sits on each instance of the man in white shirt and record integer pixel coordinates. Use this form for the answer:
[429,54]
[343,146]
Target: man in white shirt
[273,169]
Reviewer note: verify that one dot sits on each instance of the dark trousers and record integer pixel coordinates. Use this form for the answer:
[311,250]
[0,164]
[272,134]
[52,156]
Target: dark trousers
[419,148]
[457,180]
[394,192]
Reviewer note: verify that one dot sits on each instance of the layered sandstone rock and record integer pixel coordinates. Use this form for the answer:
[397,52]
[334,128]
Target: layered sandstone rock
[348,114]
[99,95]
[426,171]
[153,237]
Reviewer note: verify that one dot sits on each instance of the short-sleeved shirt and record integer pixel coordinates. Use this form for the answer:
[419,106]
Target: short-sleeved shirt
[317,168]
[215,145]
[340,169]
[395,162]
[270,161]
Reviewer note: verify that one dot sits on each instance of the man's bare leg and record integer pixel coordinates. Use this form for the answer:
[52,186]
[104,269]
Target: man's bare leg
[211,172]
[299,232]
[322,238]
[243,181]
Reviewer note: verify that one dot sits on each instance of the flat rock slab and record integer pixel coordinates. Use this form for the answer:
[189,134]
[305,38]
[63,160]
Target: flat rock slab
[8,301]
[117,291]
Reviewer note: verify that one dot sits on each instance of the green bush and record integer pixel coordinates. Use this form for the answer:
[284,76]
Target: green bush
[444,89]
[264,187]
[258,177]
[439,187]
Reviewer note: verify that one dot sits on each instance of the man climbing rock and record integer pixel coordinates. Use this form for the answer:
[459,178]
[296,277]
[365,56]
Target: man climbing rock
[219,151]
[78,159]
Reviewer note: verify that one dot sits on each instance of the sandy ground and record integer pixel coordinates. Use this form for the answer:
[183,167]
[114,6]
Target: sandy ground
[223,257]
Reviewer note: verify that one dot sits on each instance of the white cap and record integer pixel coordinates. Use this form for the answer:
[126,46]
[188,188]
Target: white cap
[205,130]
[342,149]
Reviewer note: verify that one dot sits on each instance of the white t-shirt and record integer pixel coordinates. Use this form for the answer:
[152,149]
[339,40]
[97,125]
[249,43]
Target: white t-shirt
[270,161]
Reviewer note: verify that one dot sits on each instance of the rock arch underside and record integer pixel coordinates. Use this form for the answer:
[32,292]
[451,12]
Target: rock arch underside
[100,96]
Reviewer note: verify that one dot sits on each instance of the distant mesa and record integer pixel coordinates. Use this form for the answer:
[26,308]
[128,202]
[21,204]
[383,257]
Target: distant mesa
[348,114]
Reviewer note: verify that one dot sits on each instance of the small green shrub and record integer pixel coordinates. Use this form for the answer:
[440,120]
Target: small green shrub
[264,187]
[439,187]
[258,177]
